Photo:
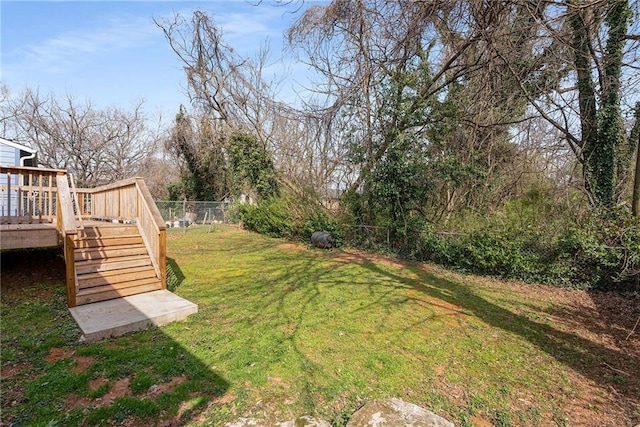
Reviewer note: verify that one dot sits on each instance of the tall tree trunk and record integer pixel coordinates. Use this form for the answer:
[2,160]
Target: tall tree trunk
[636,187]
[586,100]
[611,135]
[602,131]
[634,139]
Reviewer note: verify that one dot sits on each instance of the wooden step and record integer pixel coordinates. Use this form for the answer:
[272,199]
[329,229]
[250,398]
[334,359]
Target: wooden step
[103,293]
[116,276]
[95,266]
[107,230]
[117,286]
[109,252]
[111,261]
[101,241]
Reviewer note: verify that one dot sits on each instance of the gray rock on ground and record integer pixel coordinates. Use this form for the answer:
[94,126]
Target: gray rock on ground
[322,239]
[395,413]
[301,421]
[377,413]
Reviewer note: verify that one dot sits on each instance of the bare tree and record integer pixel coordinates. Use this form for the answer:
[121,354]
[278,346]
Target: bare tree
[232,93]
[415,77]
[386,67]
[229,88]
[97,146]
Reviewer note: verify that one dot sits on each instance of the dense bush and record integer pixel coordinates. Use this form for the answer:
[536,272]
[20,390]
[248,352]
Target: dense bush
[286,217]
[271,217]
[604,251]
[601,253]
[320,221]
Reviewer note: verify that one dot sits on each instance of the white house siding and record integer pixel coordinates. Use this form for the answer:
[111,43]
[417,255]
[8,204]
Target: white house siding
[9,156]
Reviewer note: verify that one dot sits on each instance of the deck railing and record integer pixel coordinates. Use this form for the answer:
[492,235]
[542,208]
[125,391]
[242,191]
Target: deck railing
[130,201]
[31,195]
[68,227]
[28,195]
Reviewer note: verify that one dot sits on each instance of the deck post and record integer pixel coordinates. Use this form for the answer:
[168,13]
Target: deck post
[68,228]
[162,257]
[9,194]
[69,257]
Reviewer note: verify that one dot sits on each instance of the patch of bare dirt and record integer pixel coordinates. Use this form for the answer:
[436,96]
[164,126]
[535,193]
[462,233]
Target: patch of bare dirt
[96,383]
[122,388]
[158,389]
[351,255]
[224,399]
[56,354]
[480,422]
[277,381]
[11,370]
[292,247]
[73,401]
[119,389]
[82,363]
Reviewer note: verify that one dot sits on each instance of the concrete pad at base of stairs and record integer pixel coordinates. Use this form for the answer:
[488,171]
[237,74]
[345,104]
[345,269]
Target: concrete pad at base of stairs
[122,315]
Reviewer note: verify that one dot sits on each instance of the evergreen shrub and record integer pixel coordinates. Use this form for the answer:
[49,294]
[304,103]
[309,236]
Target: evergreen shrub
[285,217]
[271,217]
[601,253]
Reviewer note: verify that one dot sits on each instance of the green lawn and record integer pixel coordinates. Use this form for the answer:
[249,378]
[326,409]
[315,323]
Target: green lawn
[285,330]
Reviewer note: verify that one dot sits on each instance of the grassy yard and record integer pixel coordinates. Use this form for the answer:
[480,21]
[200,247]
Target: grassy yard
[284,330]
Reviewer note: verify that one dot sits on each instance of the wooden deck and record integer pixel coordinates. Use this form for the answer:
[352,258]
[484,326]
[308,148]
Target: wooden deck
[113,237]
[21,236]
[114,244]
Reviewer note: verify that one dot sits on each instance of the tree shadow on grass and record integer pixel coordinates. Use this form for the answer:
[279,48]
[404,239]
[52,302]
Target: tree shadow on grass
[585,356]
[49,377]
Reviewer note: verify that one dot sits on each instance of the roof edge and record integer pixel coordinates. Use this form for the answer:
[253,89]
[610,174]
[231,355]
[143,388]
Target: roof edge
[17,145]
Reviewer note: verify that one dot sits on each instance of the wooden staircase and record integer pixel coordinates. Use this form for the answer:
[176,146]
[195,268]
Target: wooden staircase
[112,261]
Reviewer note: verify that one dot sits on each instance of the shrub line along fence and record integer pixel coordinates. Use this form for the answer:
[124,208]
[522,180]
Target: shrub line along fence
[591,257]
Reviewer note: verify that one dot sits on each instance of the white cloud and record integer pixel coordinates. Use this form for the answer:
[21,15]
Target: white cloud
[121,54]
[63,51]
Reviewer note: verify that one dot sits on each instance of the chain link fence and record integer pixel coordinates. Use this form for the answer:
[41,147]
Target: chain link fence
[182,213]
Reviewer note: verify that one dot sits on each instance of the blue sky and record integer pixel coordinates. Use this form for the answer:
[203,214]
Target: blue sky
[112,53]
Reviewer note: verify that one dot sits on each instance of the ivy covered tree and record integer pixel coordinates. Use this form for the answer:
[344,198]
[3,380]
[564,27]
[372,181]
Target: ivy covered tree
[602,131]
[201,150]
[251,165]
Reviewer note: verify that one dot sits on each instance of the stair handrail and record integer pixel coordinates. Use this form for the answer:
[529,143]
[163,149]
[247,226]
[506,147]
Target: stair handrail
[74,194]
[67,227]
[149,214]
[65,215]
